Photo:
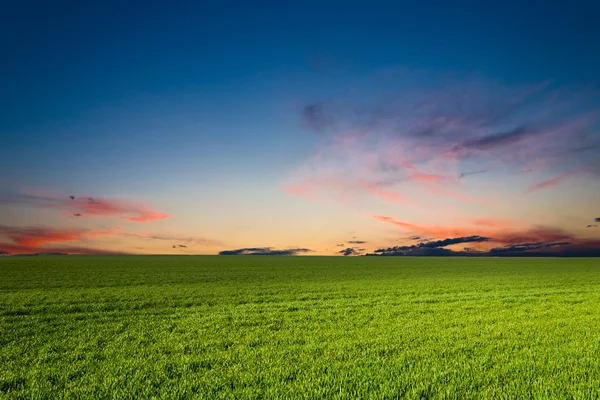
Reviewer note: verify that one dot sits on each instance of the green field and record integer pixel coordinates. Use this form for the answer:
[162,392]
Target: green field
[299,327]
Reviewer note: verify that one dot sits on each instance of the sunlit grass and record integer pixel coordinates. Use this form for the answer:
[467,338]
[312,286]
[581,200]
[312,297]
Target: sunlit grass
[299,327]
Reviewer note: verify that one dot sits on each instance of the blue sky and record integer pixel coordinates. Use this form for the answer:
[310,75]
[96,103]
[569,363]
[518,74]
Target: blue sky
[197,107]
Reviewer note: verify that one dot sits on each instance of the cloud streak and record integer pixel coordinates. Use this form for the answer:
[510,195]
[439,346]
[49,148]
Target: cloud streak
[264,251]
[86,206]
[44,239]
[551,182]
[37,236]
[30,239]
[465,174]
[497,140]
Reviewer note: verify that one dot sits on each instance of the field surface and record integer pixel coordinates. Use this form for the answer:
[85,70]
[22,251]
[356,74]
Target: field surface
[298,327]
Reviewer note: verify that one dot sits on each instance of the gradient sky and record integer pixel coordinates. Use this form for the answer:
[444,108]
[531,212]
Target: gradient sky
[199,127]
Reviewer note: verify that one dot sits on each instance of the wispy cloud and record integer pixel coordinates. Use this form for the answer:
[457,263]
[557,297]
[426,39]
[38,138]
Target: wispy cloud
[63,249]
[395,146]
[552,181]
[497,139]
[39,238]
[465,174]
[86,206]
[173,238]
[316,117]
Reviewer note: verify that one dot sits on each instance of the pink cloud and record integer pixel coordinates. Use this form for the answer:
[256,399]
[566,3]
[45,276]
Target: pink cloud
[423,140]
[550,182]
[125,210]
[562,177]
[87,206]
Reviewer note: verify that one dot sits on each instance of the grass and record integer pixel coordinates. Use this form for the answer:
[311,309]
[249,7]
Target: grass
[299,327]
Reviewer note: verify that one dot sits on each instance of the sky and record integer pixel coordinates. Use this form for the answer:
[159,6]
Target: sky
[413,128]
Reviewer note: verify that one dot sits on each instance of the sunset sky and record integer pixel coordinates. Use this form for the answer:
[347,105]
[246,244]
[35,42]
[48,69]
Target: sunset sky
[209,127]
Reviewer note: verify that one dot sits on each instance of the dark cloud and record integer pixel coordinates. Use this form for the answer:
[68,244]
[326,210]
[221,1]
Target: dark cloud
[263,251]
[465,174]
[183,245]
[340,245]
[577,248]
[72,197]
[430,247]
[548,249]
[317,118]
[415,251]
[351,251]
[357,242]
[4,252]
[40,254]
[450,241]
[524,247]
[592,226]
[597,219]
[77,215]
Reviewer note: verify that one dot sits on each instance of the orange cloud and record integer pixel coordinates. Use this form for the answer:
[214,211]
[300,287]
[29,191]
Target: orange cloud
[497,232]
[33,237]
[146,216]
[37,238]
[392,197]
[492,222]
[461,196]
[419,176]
